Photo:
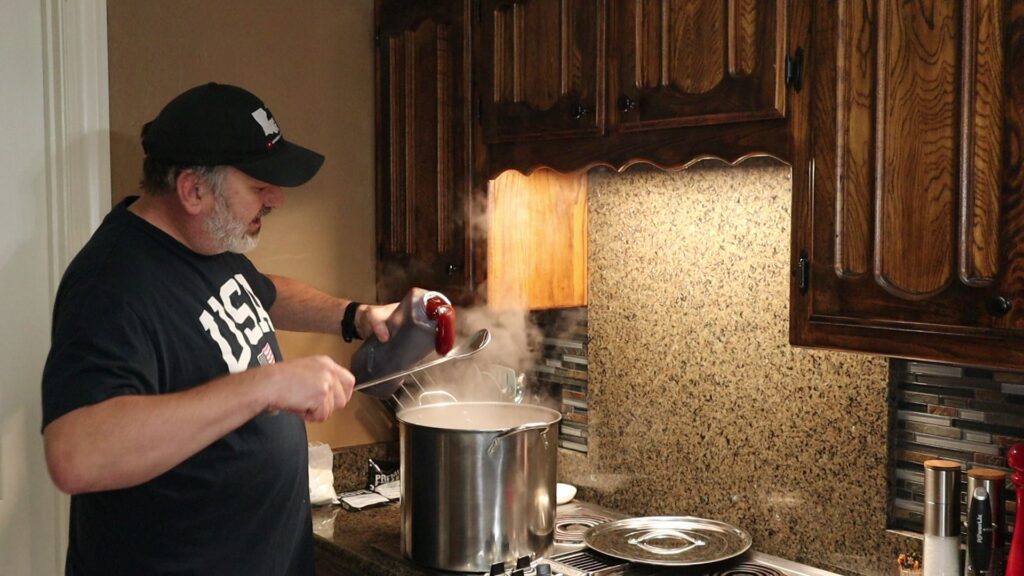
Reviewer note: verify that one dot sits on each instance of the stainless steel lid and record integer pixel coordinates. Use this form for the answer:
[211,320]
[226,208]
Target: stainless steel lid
[668,540]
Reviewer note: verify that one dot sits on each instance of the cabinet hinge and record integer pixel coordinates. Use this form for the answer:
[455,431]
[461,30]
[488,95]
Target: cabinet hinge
[795,70]
[803,272]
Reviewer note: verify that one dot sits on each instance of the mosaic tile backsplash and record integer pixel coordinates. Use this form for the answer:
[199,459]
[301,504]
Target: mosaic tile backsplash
[969,415]
[562,369]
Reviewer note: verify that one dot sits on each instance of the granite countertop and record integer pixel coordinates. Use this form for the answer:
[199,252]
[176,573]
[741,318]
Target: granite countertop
[364,542]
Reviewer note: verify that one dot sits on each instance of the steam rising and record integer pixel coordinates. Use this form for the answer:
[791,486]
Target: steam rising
[499,372]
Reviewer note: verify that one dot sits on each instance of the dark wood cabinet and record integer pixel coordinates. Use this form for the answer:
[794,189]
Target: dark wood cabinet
[470,89]
[905,132]
[908,227]
[423,146]
[540,68]
[694,62]
[570,84]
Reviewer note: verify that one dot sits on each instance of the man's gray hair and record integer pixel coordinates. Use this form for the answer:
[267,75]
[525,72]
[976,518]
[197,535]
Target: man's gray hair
[159,178]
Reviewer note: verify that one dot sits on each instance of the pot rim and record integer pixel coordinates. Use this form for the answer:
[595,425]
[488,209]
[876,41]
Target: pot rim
[553,416]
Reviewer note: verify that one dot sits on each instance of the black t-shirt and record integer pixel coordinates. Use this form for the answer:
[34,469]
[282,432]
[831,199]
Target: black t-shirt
[139,313]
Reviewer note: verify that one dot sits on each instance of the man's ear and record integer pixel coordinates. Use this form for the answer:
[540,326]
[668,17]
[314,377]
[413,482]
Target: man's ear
[189,190]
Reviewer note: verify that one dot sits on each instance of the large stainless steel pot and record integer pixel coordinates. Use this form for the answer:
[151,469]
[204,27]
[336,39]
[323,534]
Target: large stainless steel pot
[478,483]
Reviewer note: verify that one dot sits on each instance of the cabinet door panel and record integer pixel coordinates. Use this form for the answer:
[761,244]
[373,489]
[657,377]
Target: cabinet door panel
[916,157]
[422,167]
[855,98]
[907,201]
[541,69]
[982,129]
[692,62]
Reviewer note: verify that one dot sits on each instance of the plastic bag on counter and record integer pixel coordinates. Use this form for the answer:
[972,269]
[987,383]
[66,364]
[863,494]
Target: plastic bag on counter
[321,474]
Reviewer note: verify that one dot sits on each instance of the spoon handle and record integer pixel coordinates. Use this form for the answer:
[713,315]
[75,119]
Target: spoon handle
[407,371]
[480,341]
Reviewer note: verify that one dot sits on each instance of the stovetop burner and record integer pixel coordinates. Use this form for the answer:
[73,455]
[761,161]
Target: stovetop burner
[570,528]
[587,563]
[747,569]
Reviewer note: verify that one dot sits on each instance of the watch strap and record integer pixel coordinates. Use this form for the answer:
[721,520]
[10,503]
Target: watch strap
[348,322]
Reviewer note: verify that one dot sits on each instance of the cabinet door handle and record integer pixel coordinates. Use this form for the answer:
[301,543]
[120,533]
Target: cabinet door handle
[626,104]
[999,306]
[580,112]
[795,70]
[804,272]
[452,269]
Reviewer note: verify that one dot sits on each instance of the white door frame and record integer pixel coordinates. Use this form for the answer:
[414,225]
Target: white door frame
[77,149]
[78,124]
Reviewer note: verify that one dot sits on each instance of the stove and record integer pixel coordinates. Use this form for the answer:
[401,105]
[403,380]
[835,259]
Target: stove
[570,556]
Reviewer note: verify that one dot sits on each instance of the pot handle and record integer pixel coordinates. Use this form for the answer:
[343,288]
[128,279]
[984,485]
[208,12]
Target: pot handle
[445,397]
[687,541]
[513,431]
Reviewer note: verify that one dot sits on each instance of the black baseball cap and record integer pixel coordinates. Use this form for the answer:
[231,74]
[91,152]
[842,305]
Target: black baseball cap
[219,124]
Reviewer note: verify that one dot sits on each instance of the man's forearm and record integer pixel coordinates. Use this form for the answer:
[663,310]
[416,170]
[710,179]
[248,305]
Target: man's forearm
[302,308]
[127,440]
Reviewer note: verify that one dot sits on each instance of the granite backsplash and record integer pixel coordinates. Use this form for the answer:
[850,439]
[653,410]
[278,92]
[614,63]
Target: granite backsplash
[698,405]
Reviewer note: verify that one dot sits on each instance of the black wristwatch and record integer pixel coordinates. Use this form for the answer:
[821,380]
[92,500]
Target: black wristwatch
[348,323]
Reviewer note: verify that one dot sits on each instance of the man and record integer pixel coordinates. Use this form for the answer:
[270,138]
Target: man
[168,412]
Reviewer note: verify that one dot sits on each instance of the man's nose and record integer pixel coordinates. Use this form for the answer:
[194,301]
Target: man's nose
[273,196]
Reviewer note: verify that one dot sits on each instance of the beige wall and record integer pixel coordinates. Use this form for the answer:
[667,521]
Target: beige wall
[698,404]
[311,61]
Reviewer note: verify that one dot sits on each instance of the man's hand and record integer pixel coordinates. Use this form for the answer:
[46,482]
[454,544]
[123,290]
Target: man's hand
[370,319]
[312,387]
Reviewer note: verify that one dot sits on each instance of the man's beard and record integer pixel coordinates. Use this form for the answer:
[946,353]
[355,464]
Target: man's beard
[228,233]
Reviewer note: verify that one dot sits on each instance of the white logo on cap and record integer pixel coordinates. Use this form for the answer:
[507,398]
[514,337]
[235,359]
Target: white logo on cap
[268,123]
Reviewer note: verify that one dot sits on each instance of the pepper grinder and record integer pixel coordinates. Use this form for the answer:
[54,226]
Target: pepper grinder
[985,528]
[1015,564]
[941,518]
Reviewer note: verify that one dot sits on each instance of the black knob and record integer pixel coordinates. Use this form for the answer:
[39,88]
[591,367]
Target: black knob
[999,306]
[580,112]
[626,104]
[523,562]
[498,568]
[543,570]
